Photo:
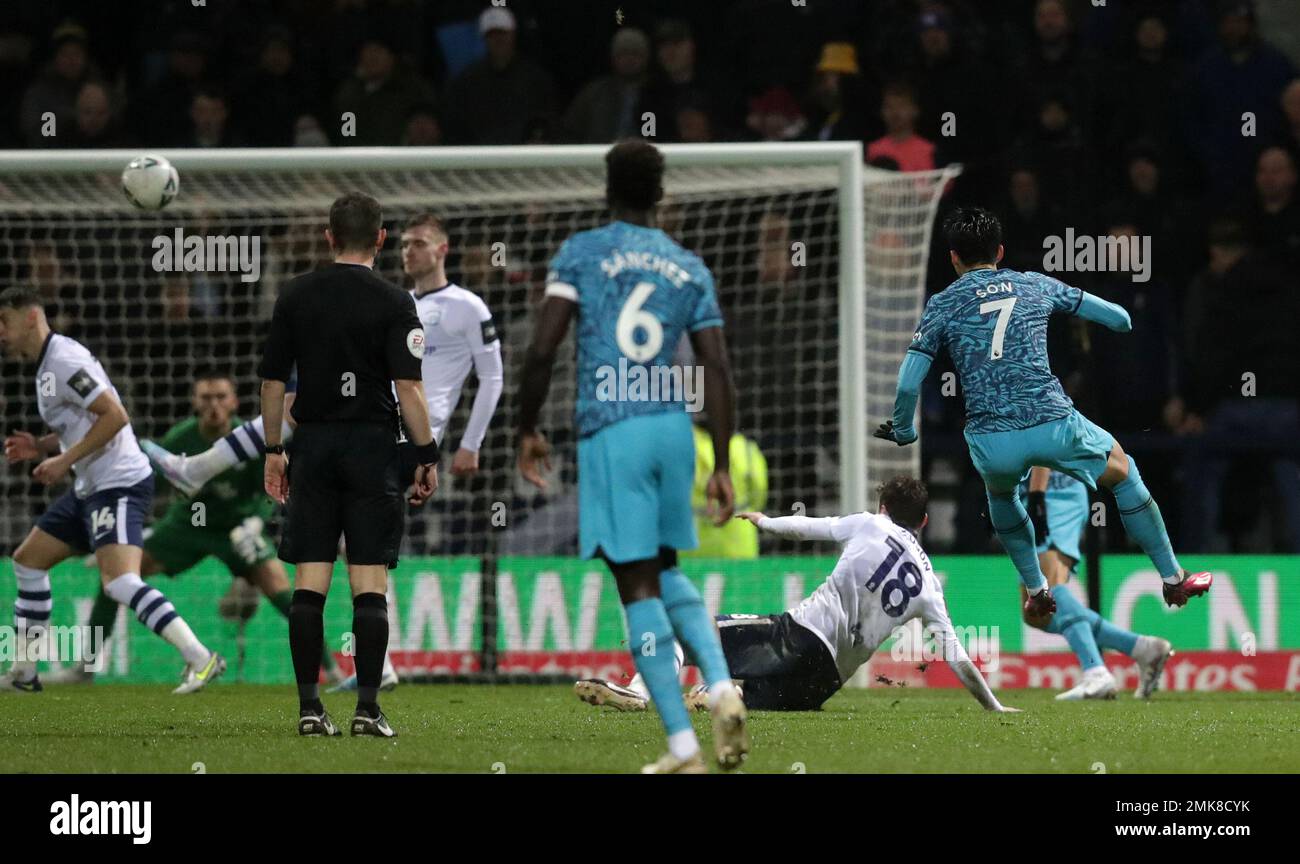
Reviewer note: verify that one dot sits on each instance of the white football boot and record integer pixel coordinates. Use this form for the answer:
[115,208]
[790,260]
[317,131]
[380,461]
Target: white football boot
[1097,683]
[1151,654]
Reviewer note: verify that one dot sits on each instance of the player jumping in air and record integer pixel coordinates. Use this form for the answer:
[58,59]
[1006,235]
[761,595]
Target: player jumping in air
[1058,506]
[106,508]
[993,324]
[635,292]
[797,660]
[225,519]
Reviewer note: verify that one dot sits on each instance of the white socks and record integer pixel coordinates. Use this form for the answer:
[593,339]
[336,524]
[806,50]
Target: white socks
[155,611]
[31,610]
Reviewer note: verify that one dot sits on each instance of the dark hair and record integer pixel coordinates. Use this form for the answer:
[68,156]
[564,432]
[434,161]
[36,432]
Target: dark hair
[213,374]
[20,297]
[902,89]
[634,175]
[904,499]
[355,220]
[974,234]
[1227,231]
[427,218]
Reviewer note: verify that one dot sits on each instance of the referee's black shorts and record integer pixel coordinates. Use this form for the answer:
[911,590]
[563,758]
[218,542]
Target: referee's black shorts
[344,480]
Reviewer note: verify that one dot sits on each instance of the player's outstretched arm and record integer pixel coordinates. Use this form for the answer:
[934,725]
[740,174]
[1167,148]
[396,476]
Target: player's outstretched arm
[110,418]
[1109,315]
[720,405]
[795,527]
[959,661]
[535,382]
[911,373]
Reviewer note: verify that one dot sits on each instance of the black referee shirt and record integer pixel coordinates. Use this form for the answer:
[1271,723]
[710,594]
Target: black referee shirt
[351,334]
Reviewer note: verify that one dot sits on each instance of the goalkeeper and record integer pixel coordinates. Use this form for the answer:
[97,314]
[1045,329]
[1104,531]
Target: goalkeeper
[225,519]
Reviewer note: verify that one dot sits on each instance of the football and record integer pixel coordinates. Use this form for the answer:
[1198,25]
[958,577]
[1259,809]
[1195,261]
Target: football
[150,182]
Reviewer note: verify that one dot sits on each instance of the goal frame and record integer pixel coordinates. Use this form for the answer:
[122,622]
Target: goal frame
[846,157]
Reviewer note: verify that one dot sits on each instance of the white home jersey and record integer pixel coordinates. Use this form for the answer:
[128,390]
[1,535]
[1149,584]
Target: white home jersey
[459,334]
[68,379]
[882,580]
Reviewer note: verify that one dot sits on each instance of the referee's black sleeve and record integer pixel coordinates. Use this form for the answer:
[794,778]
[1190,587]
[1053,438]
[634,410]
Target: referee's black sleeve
[278,355]
[404,342]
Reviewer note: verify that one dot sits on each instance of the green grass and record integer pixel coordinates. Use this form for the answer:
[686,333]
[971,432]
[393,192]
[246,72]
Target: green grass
[250,728]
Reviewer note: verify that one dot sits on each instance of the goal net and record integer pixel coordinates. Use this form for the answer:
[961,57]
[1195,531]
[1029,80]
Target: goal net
[819,264]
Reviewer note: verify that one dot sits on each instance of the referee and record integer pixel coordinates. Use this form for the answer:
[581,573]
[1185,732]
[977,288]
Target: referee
[355,340]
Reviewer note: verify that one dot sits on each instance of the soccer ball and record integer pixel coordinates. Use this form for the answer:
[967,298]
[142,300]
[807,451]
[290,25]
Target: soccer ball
[150,182]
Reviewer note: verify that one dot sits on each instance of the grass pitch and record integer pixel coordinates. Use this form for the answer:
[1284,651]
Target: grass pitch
[523,729]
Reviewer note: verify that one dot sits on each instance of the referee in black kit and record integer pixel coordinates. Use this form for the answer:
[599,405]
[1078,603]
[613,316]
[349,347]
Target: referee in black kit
[355,340]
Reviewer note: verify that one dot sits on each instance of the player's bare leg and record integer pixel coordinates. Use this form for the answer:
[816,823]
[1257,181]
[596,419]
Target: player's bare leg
[1143,522]
[33,559]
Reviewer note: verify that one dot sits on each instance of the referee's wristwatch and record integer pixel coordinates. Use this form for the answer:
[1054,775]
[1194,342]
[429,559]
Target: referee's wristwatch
[277,449]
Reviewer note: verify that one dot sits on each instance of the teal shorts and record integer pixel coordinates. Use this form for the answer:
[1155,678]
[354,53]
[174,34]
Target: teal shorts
[634,488]
[1073,445]
[1067,513]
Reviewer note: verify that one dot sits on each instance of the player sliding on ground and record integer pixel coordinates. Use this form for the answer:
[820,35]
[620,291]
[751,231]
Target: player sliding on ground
[635,292]
[107,506]
[1058,506]
[993,324]
[797,660]
[225,519]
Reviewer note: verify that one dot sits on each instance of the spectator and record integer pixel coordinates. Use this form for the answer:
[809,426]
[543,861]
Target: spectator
[1141,358]
[776,116]
[694,124]
[209,114]
[1161,214]
[1029,220]
[502,98]
[901,143]
[607,108]
[16,69]
[1055,64]
[269,102]
[1244,75]
[1062,156]
[1243,368]
[380,96]
[675,87]
[97,126]
[1274,215]
[838,96]
[55,90]
[160,117]
[951,85]
[1291,113]
[422,129]
[307,132]
[1139,98]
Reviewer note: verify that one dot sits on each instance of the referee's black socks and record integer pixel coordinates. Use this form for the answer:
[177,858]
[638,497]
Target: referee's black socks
[370,632]
[306,644]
